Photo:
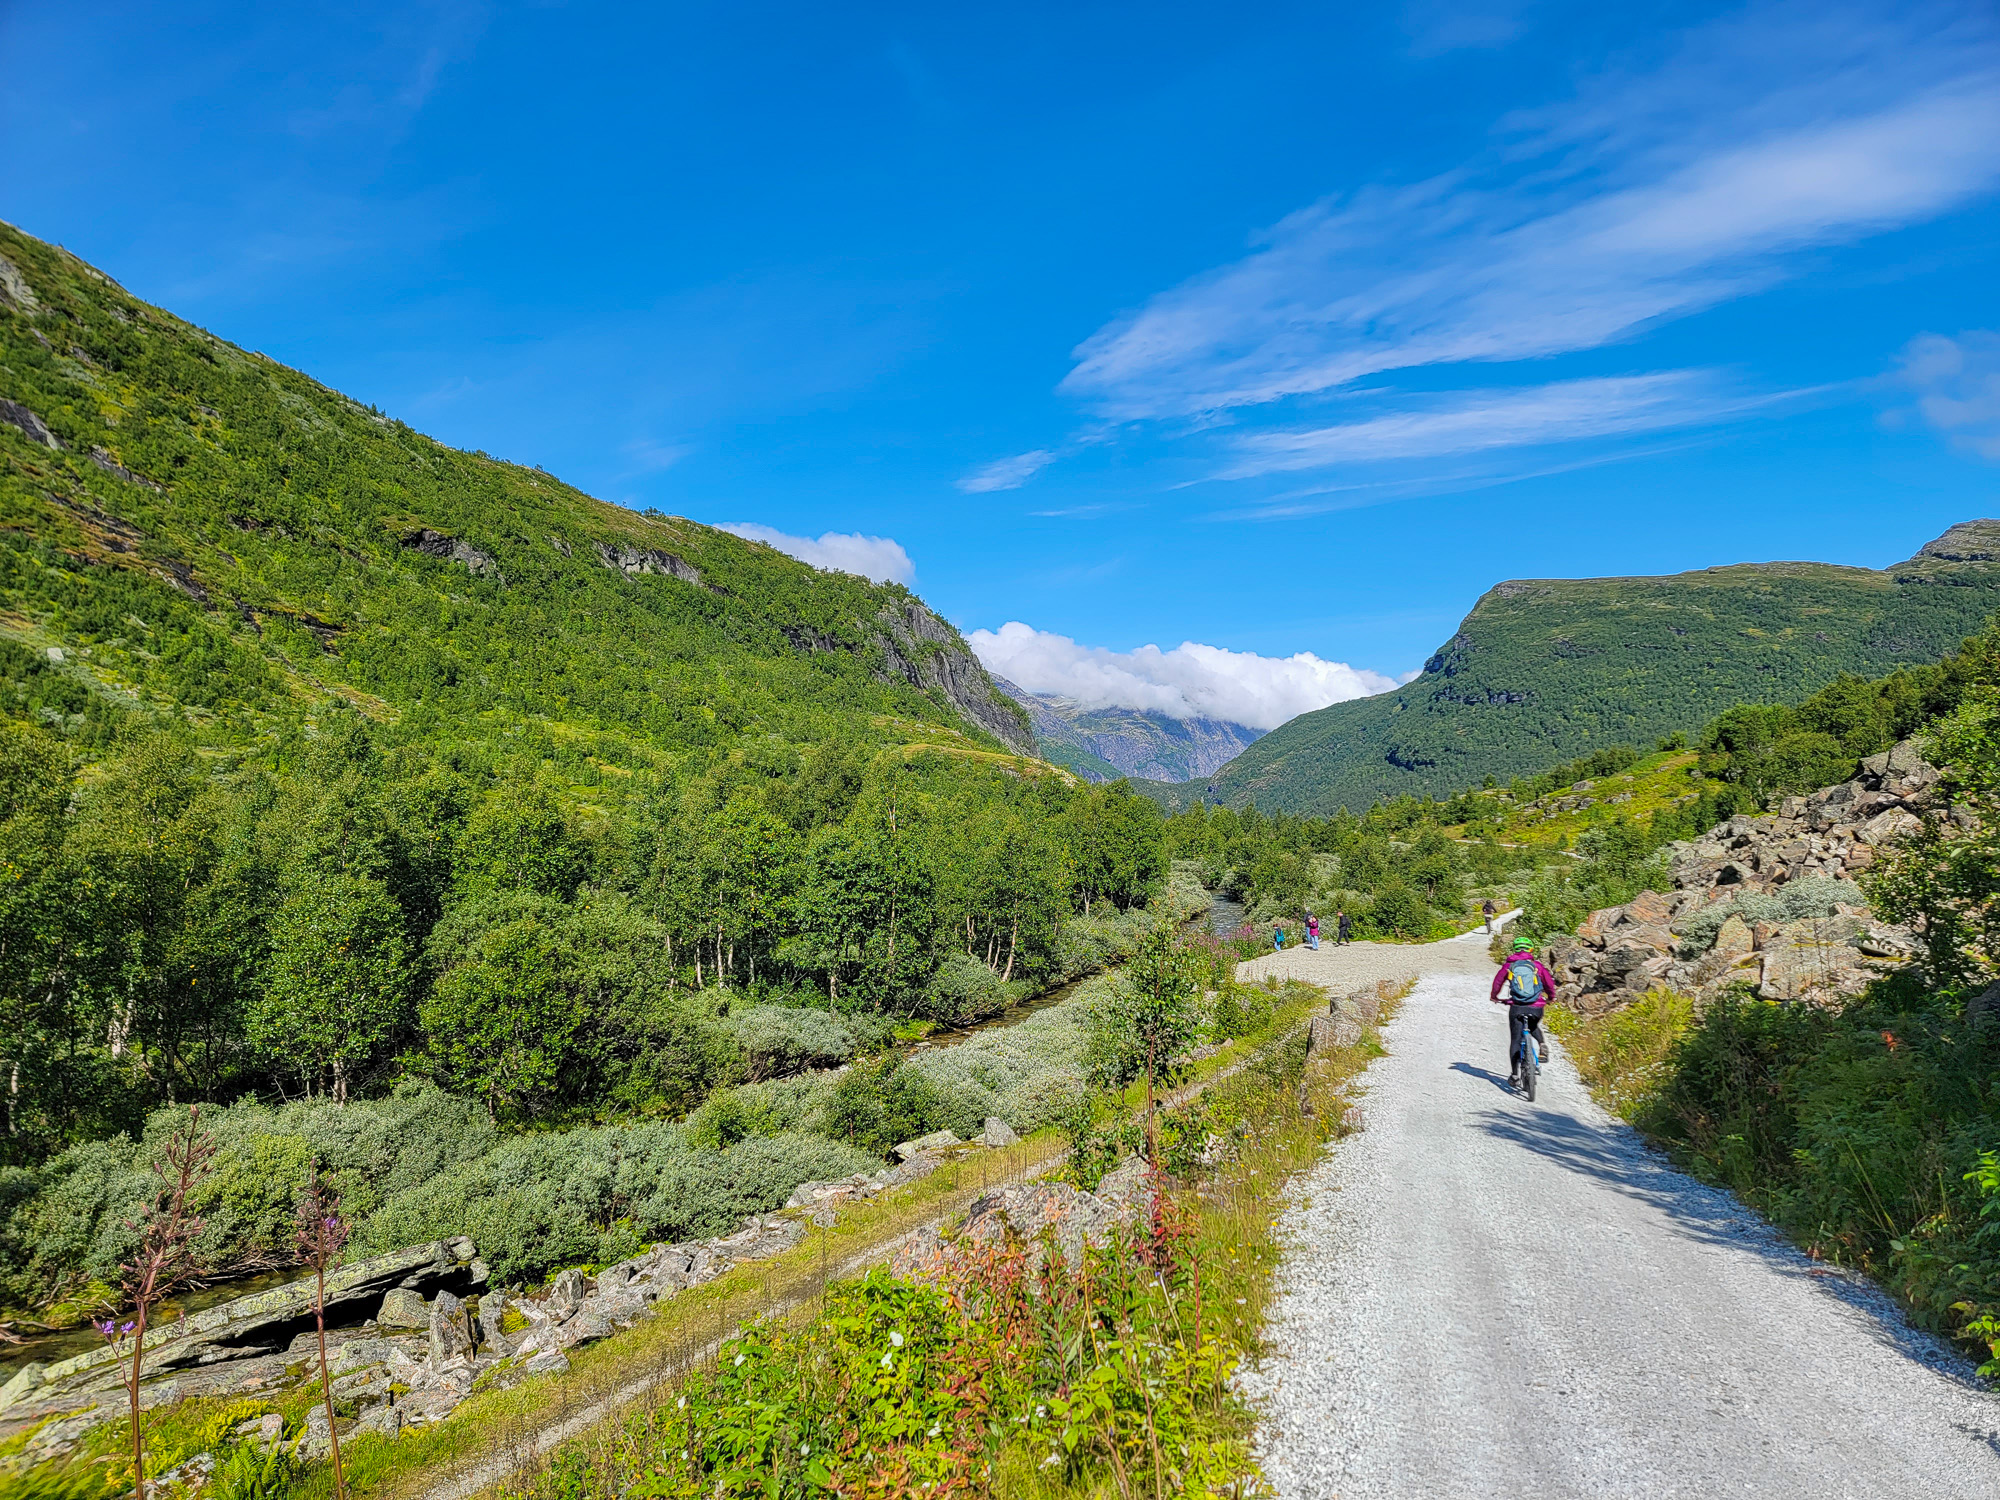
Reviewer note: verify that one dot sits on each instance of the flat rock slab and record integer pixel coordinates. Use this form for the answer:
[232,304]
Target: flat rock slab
[1484,1297]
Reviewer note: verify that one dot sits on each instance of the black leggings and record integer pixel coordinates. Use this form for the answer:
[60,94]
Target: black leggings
[1523,1018]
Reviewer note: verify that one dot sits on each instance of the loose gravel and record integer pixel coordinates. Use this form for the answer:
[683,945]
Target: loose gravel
[1486,1297]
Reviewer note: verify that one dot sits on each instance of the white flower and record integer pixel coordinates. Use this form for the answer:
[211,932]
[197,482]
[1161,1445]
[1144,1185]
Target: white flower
[896,1338]
[739,1358]
[804,1448]
[681,1404]
[1041,1411]
[888,1360]
[936,1428]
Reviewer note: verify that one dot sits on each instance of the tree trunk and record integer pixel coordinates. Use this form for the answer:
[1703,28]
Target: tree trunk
[1012,935]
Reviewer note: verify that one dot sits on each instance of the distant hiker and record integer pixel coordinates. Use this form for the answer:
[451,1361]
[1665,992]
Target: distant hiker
[1312,932]
[1278,940]
[1343,931]
[1488,909]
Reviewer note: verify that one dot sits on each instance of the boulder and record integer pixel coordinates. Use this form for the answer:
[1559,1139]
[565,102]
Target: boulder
[450,1332]
[915,1169]
[566,1294]
[1733,939]
[403,1308]
[548,1362]
[384,1419]
[1328,1034]
[937,1140]
[1126,1186]
[998,1133]
[1040,1214]
[1983,1009]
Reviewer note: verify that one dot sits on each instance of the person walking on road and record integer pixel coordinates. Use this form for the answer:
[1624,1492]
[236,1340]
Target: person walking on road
[1312,932]
[1277,940]
[1343,929]
[1523,985]
[1488,909]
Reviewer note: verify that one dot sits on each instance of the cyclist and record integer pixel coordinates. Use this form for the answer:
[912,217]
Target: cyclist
[1523,985]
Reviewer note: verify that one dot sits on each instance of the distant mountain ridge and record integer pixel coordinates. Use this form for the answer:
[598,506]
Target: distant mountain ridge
[1103,744]
[1544,670]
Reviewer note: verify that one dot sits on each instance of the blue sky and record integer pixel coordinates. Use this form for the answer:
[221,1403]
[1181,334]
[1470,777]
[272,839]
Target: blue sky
[1279,329]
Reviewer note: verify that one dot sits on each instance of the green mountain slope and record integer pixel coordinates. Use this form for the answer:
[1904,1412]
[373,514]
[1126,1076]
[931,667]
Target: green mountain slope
[1546,669]
[193,529]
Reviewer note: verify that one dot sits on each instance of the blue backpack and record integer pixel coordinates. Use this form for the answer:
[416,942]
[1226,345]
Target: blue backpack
[1524,981]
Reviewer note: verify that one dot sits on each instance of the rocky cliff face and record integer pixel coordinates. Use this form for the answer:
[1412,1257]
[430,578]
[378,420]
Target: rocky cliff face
[1765,901]
[925,652]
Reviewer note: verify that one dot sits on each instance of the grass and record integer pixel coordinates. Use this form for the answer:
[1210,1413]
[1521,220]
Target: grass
[1626,1056]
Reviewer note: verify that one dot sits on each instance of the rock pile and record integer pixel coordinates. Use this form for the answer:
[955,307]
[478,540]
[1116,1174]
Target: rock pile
[1042,1217]
[1760,900]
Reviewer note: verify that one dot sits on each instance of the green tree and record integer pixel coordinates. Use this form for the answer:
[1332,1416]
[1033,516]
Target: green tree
[337,983]
[1148,1024]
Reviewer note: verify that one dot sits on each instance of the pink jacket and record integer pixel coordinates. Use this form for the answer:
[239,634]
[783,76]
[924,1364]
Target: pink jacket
[1548,979]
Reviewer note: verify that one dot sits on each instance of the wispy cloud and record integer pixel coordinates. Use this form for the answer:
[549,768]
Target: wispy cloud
[1957,382]
[1587,224]
[1460,422]
[1007,473]
[1190,681]
[878,557]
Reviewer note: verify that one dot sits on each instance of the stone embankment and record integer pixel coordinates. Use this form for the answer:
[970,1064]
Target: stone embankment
[1767,901]
[415,1331]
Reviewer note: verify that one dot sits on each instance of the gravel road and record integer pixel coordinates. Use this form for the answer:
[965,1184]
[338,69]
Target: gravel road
[1485,1297]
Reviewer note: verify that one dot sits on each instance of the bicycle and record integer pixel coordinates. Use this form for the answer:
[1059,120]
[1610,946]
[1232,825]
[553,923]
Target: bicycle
[1530,1064]
[1527,1067]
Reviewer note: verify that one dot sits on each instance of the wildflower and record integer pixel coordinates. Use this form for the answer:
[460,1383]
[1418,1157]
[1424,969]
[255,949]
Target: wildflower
[936,1428]
[804,1449]
[896,1338]
[739,1359]
[888,1359]
[681,1404]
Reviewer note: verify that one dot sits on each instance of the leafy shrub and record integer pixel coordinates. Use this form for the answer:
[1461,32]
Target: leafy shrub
[963,989]
[709,1193]
[781,1039]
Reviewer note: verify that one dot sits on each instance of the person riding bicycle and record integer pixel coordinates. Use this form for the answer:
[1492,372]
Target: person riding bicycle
[1523,985]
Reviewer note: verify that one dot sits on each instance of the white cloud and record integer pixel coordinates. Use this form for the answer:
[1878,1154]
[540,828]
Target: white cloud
[1007,473]
[1478,421]
[1958,386]
[1643,200]
[878,557]
[1190,681]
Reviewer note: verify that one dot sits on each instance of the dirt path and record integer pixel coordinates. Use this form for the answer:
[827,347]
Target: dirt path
[1354,965]
[1485,1297]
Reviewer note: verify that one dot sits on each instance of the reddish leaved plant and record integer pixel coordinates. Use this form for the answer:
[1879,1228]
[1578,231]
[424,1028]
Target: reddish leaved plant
[322,1236]
[165,1258]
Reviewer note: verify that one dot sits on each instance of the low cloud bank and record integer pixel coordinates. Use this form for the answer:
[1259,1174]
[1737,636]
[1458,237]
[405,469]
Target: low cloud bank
[1190,681]
[878,557]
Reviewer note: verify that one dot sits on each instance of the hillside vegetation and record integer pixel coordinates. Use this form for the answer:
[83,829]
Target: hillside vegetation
[1550,669]
[337,765]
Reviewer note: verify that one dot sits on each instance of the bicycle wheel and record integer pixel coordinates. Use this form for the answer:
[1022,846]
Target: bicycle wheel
[1530,1068]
